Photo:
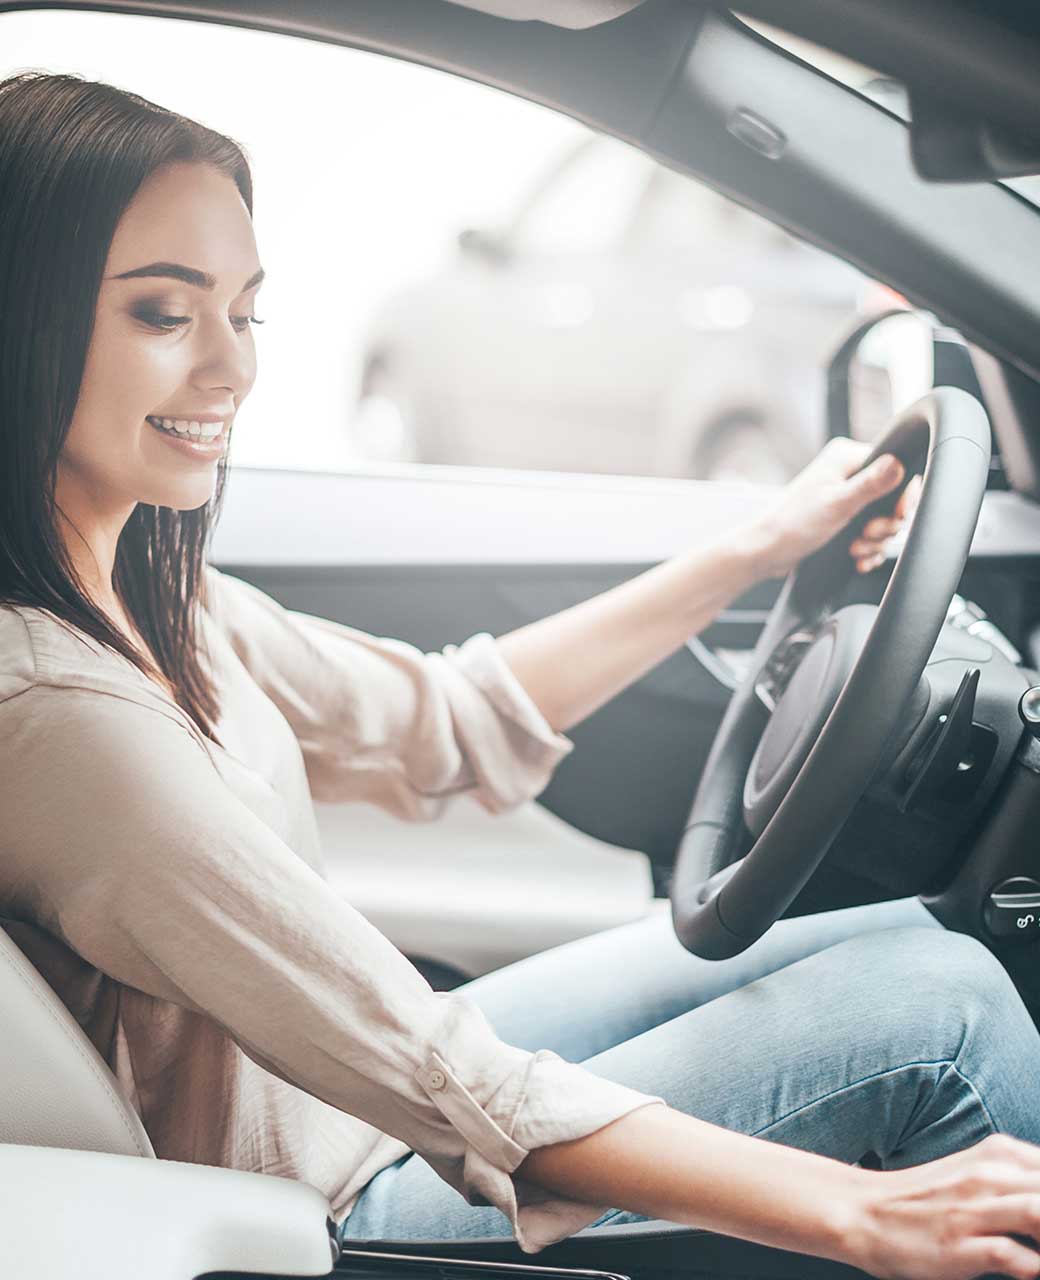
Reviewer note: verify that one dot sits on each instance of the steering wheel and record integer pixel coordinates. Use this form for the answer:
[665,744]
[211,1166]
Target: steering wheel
[826,692]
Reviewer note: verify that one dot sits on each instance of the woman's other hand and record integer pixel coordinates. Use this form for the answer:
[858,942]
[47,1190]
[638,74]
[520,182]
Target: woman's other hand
[824,497]
[973,1213]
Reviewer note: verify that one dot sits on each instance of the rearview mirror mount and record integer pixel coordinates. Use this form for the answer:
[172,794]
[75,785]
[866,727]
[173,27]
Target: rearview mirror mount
[948,144]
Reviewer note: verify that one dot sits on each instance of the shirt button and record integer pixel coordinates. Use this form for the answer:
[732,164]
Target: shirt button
[437,1080]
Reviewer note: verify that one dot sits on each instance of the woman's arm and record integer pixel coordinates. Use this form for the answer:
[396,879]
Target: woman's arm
[574,661]
[950,1219]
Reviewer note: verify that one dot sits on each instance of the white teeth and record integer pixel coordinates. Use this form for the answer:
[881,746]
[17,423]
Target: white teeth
[182,427]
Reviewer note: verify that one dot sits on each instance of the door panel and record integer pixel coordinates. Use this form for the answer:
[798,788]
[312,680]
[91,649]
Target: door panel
[431,556]
[631,777]
[483,890]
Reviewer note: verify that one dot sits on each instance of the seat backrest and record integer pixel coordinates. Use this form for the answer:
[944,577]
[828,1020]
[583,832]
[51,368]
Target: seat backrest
[55,1088]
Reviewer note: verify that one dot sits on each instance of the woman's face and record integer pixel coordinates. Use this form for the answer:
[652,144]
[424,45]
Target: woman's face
[164,348]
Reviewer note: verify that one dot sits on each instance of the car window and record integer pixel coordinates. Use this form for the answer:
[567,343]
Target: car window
[459,277]
[588,203]
[680,216]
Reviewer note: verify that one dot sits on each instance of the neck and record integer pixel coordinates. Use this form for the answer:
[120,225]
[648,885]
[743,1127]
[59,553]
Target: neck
[91,534]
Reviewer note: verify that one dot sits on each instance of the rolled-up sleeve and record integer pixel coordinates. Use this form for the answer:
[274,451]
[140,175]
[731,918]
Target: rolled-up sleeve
[154,871]
[379,720]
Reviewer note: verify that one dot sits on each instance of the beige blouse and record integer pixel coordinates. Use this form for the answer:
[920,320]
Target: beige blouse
[173,893]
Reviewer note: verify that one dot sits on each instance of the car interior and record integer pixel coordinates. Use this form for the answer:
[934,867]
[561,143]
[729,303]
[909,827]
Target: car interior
[829,740]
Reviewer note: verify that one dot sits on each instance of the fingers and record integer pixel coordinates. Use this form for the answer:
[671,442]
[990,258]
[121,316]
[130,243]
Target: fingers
[883,475]
[871,483]
[1000,1256]
[1004,1224]
[867,564]
[1017,1214]
[870,548]
[882,527]
[909,498]
[845,454]
[1005,1148]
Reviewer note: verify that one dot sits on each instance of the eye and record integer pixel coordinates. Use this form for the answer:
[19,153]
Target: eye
[246,320]
[159,321]
[167,323]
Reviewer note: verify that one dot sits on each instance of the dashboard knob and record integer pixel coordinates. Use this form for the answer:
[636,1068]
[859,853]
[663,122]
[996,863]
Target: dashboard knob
[1029,710]
[1012,909]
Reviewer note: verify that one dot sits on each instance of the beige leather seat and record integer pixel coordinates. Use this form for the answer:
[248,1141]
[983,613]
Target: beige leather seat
[56,1088]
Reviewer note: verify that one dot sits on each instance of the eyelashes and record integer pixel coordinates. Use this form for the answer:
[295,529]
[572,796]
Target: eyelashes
[167,324]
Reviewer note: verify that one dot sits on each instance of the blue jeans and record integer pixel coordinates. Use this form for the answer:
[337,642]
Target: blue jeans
[866,1033]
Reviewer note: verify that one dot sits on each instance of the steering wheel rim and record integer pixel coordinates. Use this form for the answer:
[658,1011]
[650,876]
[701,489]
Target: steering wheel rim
[722,902]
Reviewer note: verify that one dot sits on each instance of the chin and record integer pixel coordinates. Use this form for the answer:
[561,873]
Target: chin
[182,497]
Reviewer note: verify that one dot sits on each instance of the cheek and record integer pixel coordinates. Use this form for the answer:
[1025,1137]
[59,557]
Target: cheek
[125,377]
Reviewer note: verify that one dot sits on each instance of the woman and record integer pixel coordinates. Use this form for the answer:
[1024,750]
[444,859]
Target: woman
[164,728]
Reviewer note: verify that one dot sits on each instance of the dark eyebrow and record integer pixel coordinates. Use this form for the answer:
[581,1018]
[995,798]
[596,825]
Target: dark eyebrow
[175,271]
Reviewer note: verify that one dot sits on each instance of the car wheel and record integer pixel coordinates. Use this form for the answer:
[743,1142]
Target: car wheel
[383,425]
[742,451]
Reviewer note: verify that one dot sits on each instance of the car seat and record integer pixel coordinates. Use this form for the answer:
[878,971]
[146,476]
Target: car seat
[57,1091]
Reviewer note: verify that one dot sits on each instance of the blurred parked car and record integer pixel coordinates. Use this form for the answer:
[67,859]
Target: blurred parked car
[627,320]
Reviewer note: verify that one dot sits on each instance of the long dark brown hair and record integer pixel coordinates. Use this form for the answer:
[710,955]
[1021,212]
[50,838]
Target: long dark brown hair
[73,153]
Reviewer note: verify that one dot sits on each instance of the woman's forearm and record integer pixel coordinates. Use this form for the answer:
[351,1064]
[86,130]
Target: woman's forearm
[665,1164]
[574,661]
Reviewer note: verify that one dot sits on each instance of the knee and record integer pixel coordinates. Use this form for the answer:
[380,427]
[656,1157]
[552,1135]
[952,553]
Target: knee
[943,960]
[946,981]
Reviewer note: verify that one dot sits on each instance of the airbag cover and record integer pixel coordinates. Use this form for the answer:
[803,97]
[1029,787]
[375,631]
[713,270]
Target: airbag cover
[802,711]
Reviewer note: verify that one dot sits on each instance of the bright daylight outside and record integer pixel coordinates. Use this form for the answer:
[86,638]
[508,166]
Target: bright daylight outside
[456,276]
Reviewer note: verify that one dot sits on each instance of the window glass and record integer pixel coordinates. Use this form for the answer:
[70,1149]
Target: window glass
[688,217]
[459,277]
[365,168]
[588,204]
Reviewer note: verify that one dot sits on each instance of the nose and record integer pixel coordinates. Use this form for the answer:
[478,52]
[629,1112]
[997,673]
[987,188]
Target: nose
[226,358]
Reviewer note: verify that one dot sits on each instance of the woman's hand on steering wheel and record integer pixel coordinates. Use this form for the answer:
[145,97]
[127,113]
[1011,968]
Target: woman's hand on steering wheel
[824,497]
[792,780]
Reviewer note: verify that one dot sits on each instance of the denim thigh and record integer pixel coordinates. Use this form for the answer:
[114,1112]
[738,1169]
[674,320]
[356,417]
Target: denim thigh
[907,1045]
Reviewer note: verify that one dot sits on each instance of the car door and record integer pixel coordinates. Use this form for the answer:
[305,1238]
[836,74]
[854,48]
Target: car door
[433,558]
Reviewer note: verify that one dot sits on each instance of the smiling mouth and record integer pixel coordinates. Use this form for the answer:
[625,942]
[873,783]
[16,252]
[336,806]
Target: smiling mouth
[204,432]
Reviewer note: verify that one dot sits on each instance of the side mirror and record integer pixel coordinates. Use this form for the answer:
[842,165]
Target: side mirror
[882,365]
[485,245]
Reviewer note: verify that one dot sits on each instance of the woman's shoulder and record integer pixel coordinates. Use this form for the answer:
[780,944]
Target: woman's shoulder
[39,649]
[228,599]
[18,669]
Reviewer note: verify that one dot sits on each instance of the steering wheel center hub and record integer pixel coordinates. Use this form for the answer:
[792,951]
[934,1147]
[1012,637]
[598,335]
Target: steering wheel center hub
[802,710]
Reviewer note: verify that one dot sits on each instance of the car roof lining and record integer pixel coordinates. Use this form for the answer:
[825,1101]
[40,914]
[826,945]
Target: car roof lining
[574,14]
[668,75]
[986,50]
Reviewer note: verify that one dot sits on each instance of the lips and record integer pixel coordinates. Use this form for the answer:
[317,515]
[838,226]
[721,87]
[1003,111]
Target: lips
[193,446]
[185,435]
